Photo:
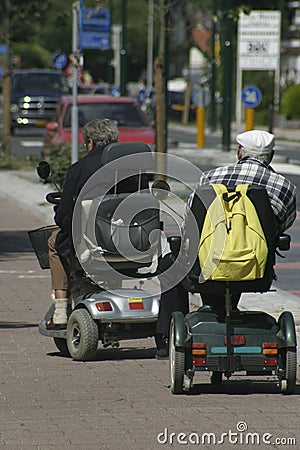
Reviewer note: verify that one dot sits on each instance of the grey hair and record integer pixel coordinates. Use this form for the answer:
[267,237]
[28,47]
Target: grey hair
[101,131]
[263,157]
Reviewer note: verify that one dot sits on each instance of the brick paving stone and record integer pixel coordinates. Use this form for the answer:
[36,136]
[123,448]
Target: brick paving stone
[121,400]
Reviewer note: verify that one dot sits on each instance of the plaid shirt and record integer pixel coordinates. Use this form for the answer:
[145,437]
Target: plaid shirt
[249,170]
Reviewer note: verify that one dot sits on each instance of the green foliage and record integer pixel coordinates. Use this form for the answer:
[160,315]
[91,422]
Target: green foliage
[33,55]
[25,18]
[60,161]
[291,102]
[13,162]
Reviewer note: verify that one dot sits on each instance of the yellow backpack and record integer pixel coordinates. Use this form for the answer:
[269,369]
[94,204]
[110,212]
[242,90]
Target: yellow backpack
[232,245]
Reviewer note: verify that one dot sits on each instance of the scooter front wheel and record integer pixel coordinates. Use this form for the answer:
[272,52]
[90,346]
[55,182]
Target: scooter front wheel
[82,335]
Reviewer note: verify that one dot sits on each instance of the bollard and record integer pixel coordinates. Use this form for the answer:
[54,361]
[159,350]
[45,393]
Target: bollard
[249,119]
[200,119]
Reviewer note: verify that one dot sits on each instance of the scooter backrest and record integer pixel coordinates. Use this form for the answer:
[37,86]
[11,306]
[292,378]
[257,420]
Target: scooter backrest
[128,164]
[202,199]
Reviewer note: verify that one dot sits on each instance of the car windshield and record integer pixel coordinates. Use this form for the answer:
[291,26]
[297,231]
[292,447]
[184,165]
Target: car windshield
[125,114]
[37,83]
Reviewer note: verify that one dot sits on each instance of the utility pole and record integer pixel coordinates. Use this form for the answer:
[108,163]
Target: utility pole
[123,49]
[150,46]
[227,75]
[160,86]
[213,63]
[6,87]
[74,111]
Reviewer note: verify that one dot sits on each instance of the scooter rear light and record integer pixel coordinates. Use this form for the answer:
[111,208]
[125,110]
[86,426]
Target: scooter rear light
[270,348]
[199,354]
[104,306]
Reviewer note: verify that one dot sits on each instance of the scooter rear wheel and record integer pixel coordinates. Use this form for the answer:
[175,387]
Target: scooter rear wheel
[177,362]
[288,385]
[82,335]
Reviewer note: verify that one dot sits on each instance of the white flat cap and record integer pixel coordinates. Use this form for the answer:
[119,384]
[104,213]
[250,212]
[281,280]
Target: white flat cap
[256,142]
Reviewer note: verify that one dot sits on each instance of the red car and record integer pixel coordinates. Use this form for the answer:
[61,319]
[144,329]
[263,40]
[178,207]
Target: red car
[133,124]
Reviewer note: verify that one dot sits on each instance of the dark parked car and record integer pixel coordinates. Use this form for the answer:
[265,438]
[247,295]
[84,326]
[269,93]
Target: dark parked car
[34,96]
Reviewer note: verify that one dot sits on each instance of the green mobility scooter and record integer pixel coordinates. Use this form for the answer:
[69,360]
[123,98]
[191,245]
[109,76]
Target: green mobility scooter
[220,340]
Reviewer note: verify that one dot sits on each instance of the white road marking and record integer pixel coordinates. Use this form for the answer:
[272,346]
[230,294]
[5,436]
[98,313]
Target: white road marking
[32,143]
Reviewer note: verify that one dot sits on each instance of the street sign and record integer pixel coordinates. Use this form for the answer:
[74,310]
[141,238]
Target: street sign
[3,49]
[251,96]
[259,40]
[94,29]
[59,60]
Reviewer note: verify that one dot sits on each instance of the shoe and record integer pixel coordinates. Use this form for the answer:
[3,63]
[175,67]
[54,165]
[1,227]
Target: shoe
[162,345]
[162,353]
[50,325]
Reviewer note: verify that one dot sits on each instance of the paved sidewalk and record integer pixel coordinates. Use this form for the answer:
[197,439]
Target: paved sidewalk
[27,192]
[122,399]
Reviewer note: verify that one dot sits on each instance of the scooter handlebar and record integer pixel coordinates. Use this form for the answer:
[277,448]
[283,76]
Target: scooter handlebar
[53,197]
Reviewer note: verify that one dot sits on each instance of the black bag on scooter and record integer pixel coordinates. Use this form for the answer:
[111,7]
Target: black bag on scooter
[39,240]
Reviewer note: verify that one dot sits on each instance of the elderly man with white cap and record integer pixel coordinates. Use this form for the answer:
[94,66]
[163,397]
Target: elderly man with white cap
[255,152]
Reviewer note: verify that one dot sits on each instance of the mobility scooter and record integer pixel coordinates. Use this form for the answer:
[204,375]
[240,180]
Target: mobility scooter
[116,237]
[220,340]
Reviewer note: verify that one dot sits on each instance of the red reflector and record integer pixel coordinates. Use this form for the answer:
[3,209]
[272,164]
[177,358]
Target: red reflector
[199,362]
[136,306]
[104,306]
[135,303]
[236,340]
[270,345]
[270,362]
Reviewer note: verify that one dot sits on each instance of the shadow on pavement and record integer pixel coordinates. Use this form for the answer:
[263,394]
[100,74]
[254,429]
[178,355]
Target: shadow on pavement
[118,354]
[240,387]
[14,242]
[11,325]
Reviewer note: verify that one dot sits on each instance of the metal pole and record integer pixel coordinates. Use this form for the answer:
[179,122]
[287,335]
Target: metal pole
[76,8]
[123,50]
[212,117]
[6,87]
[227,76]
[150,46]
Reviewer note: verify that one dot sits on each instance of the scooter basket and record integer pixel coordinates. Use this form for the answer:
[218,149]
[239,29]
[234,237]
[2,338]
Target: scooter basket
[39,240]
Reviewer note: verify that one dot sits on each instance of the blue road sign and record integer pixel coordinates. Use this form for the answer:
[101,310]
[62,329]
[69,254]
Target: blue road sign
[59,60]
[3,49]
[251,96]
[94,29]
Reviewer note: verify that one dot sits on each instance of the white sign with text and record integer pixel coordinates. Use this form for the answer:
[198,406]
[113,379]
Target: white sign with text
[259,40]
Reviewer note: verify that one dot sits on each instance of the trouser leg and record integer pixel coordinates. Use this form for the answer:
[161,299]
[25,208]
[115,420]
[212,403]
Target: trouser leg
[59,283]
[172,299]
[176,299]
[59,280]
[217,301]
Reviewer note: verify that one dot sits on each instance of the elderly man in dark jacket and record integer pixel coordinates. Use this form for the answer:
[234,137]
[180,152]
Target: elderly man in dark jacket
[96,134]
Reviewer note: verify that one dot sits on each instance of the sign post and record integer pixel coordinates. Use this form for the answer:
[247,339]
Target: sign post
[251,97]
[258,49]
[74,112]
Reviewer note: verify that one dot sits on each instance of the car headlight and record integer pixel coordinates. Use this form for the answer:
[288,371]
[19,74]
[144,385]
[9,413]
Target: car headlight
[14,108]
